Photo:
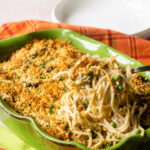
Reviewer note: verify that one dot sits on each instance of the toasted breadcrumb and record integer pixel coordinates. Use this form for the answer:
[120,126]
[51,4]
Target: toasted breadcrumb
[26,82]
[140,84]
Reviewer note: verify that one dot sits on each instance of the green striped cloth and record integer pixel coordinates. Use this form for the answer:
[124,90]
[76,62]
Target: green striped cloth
[9,141]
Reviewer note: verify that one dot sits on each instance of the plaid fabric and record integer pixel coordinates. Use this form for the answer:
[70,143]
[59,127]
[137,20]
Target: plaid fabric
[133,46]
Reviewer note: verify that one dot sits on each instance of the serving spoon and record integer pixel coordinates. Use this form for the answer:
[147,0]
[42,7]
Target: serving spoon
[141,69]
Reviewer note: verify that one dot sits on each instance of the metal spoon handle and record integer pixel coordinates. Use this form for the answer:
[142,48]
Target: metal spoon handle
[141,69]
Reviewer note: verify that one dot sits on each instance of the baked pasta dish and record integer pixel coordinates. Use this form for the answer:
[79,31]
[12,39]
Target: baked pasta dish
[74,96]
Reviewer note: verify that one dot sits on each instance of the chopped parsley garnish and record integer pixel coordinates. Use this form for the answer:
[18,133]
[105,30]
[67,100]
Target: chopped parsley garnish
[27,67]
[43,65]
[52,106]
[32,85]
[107,145]
[74,55]
[64,88]
[50,69]
[42,77]
[72,97]
[62,78]
[51,109]
[70,134]
[94,135]
[48,125]
[67,127]
[34,55]
[116,95]
[90,74]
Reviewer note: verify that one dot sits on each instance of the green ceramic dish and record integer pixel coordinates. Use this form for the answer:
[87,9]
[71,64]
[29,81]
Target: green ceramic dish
[27,129]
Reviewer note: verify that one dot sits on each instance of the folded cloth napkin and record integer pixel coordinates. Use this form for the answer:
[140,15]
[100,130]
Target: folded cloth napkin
[133,46]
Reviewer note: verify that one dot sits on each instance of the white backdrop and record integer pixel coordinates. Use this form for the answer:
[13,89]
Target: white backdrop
[16,10]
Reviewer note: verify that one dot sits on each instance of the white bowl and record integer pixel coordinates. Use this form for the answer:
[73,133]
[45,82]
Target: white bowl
[127,16]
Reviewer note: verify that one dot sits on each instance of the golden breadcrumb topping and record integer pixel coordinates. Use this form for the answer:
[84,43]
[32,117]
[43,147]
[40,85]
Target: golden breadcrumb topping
[140,84]
[26,82]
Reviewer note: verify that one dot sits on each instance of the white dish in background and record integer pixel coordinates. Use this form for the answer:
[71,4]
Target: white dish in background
[127,16]
[17,10]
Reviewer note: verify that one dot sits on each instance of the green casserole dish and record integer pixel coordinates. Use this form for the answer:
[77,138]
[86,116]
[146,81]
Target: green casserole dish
[27,129]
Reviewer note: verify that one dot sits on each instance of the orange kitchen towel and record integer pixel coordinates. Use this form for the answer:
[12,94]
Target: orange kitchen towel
[133,46]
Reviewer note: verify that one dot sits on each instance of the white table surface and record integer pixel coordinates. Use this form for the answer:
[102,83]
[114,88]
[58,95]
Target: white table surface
[17,10]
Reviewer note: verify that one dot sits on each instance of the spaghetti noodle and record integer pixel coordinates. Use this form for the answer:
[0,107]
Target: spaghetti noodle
[95,107]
